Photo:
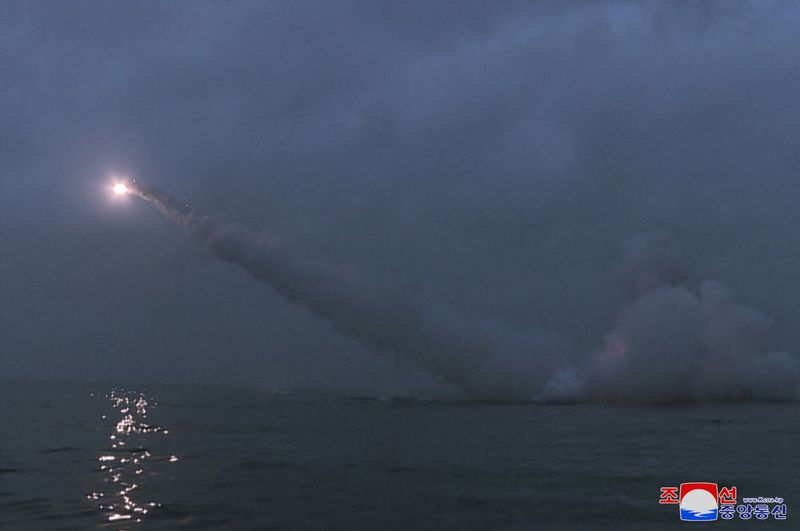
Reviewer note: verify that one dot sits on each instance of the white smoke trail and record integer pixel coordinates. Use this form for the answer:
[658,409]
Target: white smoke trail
[669,343]
[484,359]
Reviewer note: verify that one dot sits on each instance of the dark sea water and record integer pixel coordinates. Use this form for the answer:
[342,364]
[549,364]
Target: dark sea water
[76,456]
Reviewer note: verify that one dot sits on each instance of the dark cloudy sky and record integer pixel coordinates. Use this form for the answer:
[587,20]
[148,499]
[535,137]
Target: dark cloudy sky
[489,155]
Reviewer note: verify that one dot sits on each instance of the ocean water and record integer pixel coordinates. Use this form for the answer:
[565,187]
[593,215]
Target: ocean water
[78,456]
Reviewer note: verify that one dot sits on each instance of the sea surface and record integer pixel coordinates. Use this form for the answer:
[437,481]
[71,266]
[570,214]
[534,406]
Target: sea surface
[80,456]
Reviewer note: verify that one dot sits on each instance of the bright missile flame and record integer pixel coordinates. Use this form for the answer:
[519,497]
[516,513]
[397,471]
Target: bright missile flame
[120,189]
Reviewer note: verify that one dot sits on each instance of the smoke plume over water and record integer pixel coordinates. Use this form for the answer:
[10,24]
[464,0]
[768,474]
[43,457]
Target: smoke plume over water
[669,342]
[672,343]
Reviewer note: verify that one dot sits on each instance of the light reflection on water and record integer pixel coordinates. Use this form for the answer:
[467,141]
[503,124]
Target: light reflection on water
[312,462]
[127,464]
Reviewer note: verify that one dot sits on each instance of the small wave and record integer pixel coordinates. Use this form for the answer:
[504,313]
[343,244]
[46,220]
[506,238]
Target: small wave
[58,450]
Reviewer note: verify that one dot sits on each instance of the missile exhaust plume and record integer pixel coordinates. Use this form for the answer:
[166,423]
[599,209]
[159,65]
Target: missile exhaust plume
[485,360]
[669,343]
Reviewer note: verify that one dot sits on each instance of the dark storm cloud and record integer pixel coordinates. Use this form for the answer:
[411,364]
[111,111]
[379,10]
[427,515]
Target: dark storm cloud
[490,156]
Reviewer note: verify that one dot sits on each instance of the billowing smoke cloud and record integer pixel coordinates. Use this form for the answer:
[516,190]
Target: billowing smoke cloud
[669,343]
[486,360]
